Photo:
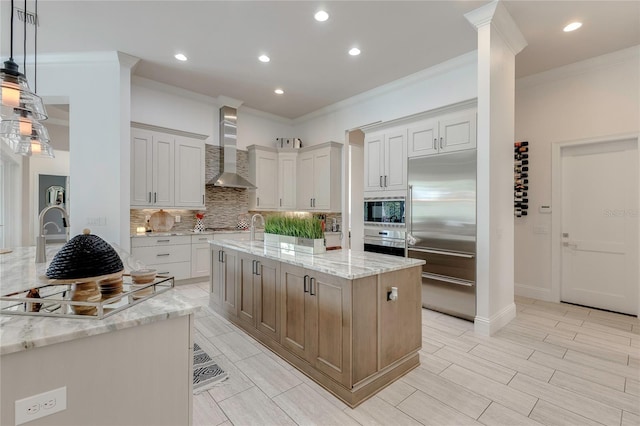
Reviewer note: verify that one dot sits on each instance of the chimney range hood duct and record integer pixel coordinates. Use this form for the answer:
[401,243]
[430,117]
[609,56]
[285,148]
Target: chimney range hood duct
[228,177]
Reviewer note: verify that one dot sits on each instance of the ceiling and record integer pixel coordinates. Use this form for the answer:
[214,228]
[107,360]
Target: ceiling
[309,59]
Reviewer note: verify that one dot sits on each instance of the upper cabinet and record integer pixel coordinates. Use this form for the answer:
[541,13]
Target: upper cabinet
[263,173]
[385,160]
[451,132]
[287,166]
[167,170]
[319,177]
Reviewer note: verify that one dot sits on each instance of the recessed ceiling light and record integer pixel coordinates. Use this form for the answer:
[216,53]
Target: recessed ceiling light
[264,58]
[354,51]
[321,16]
[572,27]
[180,57]
[278,91]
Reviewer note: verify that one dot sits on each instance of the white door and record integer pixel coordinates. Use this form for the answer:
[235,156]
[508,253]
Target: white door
[600,226]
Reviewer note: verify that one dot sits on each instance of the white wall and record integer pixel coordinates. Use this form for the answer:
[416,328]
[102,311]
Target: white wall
[594,98]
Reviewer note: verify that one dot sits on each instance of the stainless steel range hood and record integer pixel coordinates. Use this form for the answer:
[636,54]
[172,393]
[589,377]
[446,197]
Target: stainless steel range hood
[228,176]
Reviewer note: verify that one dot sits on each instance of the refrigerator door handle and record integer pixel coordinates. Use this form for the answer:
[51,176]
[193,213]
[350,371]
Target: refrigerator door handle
[450,280]
[410,208]
[445,253]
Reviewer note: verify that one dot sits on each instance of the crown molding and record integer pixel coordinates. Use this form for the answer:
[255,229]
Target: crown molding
[128,61]
[79,57]
[497,15]
[581,67]
[265,115]
[470,58]
[172,90]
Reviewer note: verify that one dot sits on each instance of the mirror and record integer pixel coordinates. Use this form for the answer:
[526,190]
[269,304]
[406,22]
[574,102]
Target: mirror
[55,196]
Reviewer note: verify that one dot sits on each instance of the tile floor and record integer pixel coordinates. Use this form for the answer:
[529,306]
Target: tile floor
[555,364]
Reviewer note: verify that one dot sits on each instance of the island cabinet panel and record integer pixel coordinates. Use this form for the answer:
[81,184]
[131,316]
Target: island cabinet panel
[246,273]
[267,298]
[223,279]
[365,327]
[296,305]
[400,321]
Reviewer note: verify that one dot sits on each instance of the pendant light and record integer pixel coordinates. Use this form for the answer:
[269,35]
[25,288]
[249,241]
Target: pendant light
[21,108]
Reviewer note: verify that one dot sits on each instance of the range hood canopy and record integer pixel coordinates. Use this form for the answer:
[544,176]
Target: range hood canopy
[228,177]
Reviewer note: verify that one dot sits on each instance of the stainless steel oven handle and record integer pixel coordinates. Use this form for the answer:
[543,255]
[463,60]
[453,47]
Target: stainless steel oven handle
[450,280]
[445,253]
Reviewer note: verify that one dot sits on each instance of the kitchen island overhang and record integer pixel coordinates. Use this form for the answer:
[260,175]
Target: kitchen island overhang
[329,315]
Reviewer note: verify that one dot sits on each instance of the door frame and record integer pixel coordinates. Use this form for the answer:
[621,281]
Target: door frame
[556,202]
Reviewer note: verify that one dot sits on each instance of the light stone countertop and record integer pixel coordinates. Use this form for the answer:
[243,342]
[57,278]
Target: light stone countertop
[18,271]
[347,264]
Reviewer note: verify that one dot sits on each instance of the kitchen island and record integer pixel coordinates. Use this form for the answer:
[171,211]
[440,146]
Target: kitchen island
[134,367]
[333,315]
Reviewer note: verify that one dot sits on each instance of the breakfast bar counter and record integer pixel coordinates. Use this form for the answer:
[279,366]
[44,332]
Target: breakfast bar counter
[349,320]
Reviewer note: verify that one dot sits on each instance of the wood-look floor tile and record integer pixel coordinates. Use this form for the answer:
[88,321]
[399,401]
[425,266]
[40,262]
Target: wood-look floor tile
[499,415]
[430,346]
[601,364]
[606,344]
[632,386]
[211,326]
[629,419]
[376,411]
[325,394]
[537,345]
[610,330]
[433,363]
[536,330]
[430,411]
[569,400]
[603,394]
[612,381]
[535,319]
[523,300]
[476,364]
[438,337]
[560,307]
[449,393]
[524,366]
[588,349]
[551,415]
[446,328]
[396,392]
[267,374]
[252,407]
[634,362]
[606,336]
[306,407]
[236,383]
[612,316]
[625,326]
[206,412]
[234,346]
[517,401]
[206,344]
[551,316]
[456,322]
[501,345]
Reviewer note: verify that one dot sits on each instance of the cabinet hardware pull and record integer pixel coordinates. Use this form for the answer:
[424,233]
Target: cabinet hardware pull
[380,181]
[306,283]
[385,181]
[257,201]
[314,202]
[311,281]
[280,202]
[444,253]
[435,141]
[253,267]
[163,254]
[162,241]
[310,202]
[163,273]
[257,267]
[203,239]
[149,197]
[220,256]
[155,197]
[203,199]
[441,142]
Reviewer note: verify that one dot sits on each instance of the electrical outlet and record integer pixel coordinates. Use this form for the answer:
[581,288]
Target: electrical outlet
[178,218]
[41,405]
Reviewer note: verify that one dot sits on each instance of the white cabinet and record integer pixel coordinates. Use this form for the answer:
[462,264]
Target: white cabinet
[169,255]
[200,255]
[167,170]
[452,132]
[319,177]
[287,166]
[263,173]
[385,160]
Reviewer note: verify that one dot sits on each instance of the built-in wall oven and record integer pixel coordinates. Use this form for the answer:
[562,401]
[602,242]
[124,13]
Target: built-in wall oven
[391,241]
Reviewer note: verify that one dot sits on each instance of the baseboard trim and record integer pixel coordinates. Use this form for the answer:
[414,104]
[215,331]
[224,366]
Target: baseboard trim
[488,326]
[534,292]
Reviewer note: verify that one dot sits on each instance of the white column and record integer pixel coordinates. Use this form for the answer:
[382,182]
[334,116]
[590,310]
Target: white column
[499,40]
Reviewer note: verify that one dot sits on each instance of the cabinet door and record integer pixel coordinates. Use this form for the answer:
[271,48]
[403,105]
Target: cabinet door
[297,311]
[458,131]
[189,173]
[200,260]
[216,275]
[322,180]
[266,180]
[305,181]
[246,265]
[141,167]
[228,281]
[423,139]
[332,323]
[373,161]
[163,170]
[395,176]
[267,297]
[287,181]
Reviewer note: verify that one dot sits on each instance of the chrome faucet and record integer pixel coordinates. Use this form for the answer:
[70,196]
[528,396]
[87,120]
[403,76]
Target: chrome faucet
[41,246]
[252,231]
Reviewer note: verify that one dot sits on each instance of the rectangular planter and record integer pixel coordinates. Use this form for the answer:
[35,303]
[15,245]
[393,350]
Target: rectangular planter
[296,244]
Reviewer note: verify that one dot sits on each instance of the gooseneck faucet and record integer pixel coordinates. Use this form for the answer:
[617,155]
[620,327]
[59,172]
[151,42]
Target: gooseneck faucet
[41,246]
[252,231]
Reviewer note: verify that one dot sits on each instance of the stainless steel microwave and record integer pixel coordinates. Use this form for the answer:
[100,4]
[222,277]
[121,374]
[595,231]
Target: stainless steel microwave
[384,210]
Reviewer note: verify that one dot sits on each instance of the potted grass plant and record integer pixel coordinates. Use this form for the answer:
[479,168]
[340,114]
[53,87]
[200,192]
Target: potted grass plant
[296,234]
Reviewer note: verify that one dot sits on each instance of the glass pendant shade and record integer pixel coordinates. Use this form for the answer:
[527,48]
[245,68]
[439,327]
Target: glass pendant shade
[35,148]
[21,134]
[16,96]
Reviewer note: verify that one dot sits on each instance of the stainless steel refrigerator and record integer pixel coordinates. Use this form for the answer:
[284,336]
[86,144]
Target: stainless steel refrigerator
[441,229]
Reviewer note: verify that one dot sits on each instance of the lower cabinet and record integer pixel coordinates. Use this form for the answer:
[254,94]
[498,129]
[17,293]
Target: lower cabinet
[170,255]
[200,256]
[344,334]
